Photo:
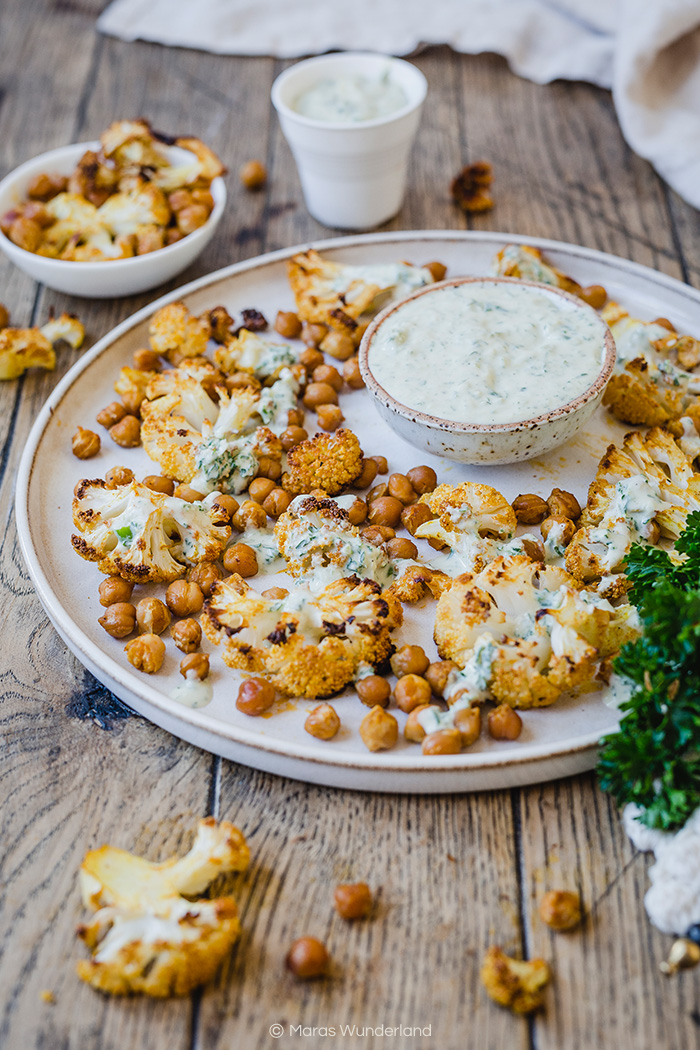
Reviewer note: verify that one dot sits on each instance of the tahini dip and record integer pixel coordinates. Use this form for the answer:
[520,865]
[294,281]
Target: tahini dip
[491,352]
[351,100]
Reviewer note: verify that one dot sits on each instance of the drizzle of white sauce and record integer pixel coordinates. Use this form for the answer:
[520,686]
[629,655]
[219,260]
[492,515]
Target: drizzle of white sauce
[192,692]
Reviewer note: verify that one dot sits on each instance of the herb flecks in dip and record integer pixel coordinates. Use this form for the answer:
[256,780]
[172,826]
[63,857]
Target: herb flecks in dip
[490,352]
[351,100]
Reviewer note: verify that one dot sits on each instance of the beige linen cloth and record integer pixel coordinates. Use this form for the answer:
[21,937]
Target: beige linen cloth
[647,51]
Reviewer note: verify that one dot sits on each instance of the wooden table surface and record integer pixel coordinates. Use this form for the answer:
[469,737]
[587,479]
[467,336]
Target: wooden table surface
[453,874]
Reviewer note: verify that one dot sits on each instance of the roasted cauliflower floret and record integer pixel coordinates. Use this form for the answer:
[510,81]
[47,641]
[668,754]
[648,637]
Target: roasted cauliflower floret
[142,535]
[523,633]
[318,542]
[529,264]
[416,581]
[326,461]
[338,294]
[145,935]
[515,983]
[249,352]
[124,213]
[308,645]
[23,348]
[642,490]
[176,334]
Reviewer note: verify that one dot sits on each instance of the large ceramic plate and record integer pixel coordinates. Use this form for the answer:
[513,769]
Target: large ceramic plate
[555,742]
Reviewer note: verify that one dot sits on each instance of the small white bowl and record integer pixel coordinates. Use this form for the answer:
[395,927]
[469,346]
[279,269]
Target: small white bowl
[491,443]
[114,277]
[353,175]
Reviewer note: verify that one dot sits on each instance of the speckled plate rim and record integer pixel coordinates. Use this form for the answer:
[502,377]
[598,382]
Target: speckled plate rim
[377,772]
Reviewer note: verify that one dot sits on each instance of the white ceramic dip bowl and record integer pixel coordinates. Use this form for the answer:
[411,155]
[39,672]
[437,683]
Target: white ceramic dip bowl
[548,422]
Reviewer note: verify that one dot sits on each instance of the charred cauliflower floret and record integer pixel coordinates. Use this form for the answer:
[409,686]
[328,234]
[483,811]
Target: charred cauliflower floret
[519,985]
[249,352]
[147,934]
[125,213]
[145,536]
[416,581]
[529,264]
[523,633]
[338,294]
[327,461]
[641,491]
[23,348]
[308,645]
[319,543]
[176,334]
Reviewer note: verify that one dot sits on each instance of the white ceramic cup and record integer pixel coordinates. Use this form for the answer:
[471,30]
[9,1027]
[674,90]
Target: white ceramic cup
[353,175]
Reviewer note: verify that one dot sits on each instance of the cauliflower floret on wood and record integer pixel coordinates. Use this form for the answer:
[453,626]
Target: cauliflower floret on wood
[308,645]
[23,348]
[326,461]
[249,352]
[145,935]
[520,985]
[523,633]
[176,334]
[145,536]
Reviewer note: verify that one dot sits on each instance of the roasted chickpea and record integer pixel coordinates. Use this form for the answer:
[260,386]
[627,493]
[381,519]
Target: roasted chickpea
[295,417]
[423,479]
[353,900]
[187,493]
[437,674]
[113,590]
[269,468]
[43,187]
[146,653]
[7,219]
[226,505]
[25,233]
[329,417]
[401,488]
[287,323]
[127,432]
[180,199]
[260,488]
[152,616]
[320,394]
[117,476]
[468,721]
[187,635]
[221,323]
[310,359]
[308,958]
[293,436]
[276,502]
[312,335]
[149,239]
[414,516]
[195,664]
[255,696]
[242,559]
[437,269]
[373,690]
[184,598]
[401,548]
[4,316]
[595,295]
[205,197]
[172,235]
[328,374]
[322,722]
[205,575]
[564,504]
[241,380]
[111,414]
[504,723]
[409,659]
[352,374]
[191,218]
[530,509]
[367,475]
[665,323]
[338,345]
[253,174]
[410,691]
[157,483]
[250,515]
[379,730]
[533,548]
[442,742]
[357,511]
[275,593]
[385,511]
[86,443]
[382,465]
[377,534]
[146,361]
[37,213]
[413,730]
[561,909]
[565,528]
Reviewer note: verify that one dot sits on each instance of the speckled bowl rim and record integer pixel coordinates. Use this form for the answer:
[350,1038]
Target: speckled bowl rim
[414,415]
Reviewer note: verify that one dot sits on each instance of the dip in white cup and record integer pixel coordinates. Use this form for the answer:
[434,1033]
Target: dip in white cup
[353,172]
